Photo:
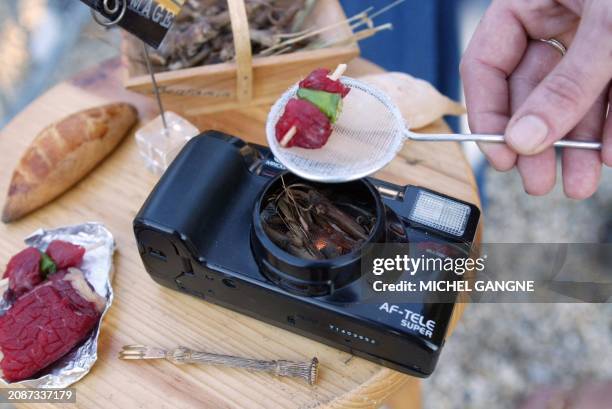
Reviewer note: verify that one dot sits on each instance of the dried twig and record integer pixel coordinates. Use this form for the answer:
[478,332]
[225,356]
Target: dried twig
[360,35]
[307,224]
[312,33]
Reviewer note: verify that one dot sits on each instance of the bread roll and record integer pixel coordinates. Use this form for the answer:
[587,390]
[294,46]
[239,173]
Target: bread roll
[418,101]
[63,153]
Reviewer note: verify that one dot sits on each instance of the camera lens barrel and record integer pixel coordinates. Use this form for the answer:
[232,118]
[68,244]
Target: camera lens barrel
[313,277]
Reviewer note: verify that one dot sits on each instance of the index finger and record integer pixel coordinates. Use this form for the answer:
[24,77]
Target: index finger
[492,55]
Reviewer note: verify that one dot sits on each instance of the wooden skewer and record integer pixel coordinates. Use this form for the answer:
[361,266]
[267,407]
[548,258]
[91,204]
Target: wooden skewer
[288,136]
[335,76]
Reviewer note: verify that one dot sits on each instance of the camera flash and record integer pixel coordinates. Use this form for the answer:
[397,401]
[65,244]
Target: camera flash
[440,213]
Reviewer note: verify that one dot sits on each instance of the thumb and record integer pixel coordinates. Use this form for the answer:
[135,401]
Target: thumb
[562,99]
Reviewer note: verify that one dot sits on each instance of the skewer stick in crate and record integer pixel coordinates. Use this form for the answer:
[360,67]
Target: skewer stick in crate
[335,76]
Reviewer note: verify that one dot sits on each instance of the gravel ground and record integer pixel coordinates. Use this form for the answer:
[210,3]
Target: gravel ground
[501,352]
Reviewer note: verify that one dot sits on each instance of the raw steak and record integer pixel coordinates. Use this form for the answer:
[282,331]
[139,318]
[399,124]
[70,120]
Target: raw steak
[313,127]
[65,254]
[23,271]
[46,323]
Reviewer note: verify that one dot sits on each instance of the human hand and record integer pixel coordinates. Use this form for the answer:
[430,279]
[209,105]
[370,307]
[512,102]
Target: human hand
[525,89]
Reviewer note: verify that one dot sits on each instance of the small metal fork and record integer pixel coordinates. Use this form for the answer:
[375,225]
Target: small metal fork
[183,355]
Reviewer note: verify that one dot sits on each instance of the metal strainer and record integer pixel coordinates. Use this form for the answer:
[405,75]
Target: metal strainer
[367,136]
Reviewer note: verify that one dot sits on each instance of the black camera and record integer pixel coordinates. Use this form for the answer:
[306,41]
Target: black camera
[200,232]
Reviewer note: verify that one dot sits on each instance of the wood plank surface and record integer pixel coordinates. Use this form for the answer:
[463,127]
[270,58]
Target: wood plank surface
[144,312]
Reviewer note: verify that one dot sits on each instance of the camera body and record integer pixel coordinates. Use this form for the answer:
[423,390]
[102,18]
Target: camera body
[199,233]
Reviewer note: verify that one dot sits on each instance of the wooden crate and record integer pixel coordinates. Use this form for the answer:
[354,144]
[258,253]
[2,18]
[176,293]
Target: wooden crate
[249,80]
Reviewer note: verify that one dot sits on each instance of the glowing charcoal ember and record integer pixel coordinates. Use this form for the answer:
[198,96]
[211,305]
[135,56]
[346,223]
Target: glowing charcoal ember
[65,254]
[23,271]
[312,126]
[46,323]
[319,80]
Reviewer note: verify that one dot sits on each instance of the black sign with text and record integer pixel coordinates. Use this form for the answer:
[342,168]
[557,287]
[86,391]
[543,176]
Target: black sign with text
[148,20]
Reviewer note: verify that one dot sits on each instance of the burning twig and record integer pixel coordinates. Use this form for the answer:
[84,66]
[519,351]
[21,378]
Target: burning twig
[309,224]
[323,206]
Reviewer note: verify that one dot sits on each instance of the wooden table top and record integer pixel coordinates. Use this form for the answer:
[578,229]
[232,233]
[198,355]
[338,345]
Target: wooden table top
[144,312]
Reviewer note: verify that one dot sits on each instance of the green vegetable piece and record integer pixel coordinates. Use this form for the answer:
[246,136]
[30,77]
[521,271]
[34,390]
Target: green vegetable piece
[47,266]
[329,103]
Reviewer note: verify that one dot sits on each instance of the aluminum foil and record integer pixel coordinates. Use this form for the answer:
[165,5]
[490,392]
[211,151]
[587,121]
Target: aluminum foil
[98,270]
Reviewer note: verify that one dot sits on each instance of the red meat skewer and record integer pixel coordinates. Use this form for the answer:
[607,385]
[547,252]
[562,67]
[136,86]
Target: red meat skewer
[326,86]
[46,323]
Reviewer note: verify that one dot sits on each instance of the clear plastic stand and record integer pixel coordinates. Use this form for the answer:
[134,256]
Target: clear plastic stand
[158,146]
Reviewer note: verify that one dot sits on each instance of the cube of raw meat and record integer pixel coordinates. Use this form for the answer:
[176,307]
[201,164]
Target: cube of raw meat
[312,126]
[65,254]
[319,80]
[46,323]
[23,271]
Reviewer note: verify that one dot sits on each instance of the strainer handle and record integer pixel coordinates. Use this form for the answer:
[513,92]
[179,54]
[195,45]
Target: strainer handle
[564,143]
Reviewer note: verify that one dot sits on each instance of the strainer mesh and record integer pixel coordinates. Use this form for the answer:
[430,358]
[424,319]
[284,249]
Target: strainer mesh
[367,135]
